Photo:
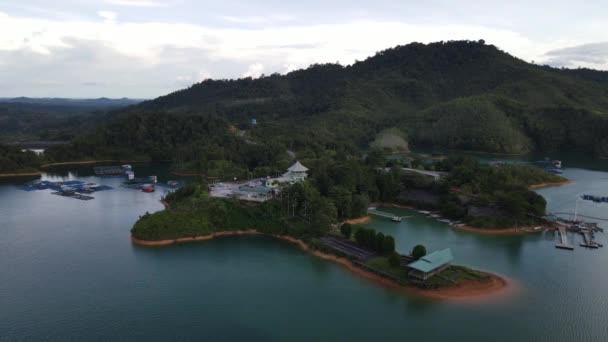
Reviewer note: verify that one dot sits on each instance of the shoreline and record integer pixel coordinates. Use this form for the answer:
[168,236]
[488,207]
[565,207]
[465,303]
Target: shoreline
[24,174]
[391,204]
[186,174]
[499,231]
[548,184]
[363,219]
[90,162]
[469,289]
[467,228]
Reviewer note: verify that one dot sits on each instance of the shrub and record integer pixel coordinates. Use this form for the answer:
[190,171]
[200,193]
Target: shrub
[394,259]
[418,252]
[346,229]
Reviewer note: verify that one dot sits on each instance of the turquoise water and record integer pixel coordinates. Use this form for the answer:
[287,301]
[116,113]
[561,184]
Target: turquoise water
[69,272]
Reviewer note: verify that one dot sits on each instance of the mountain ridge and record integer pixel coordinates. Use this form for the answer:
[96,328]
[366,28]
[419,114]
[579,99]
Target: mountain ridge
[447,95]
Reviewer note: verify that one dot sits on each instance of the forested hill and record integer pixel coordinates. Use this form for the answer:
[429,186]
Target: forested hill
[457,95]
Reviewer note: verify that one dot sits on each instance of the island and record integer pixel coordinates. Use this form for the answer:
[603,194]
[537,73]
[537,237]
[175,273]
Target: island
[303,209]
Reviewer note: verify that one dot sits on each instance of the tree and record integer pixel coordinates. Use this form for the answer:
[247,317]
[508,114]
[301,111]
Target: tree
[346,230]
[394,259]
[359,205]
[359,236]
[388,245]
[418,252]
[379,243]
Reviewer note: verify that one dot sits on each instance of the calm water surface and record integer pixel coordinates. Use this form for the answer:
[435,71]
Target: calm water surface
[69,272]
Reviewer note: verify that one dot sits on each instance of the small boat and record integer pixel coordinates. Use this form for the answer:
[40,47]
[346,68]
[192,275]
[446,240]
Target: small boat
[396,219]
[147,188]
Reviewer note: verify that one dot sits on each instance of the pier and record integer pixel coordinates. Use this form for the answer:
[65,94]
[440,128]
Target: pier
[377,212]
[579,215]
[564,244]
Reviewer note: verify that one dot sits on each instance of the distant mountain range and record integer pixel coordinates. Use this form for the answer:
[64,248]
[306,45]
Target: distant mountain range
[25,118]
[58,101]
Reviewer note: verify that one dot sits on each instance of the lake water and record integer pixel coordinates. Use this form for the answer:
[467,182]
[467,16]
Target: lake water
[69,273]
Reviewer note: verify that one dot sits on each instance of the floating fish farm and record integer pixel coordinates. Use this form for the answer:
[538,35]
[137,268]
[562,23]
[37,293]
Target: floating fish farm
[596,199]
[73,189]
[115,170]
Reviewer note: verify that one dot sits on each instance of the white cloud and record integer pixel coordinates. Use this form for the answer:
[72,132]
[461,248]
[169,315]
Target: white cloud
[137,3]
[152,58]
[278,18]
[594,55]
[107,15]
[254,70]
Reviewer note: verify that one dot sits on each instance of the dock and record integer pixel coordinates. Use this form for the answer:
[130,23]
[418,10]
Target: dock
[393,217]
[589,239]
[115,170]
[72,194]
[564,244]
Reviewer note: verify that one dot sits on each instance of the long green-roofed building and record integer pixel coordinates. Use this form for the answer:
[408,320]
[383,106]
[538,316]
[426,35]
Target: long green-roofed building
[430,264]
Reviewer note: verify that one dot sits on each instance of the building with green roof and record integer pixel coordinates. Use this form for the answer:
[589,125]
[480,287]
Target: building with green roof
[430,264]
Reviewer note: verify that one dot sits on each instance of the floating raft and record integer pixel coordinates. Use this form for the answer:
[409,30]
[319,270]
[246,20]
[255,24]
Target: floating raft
[73,189]
[115,170]
[72,194]
[596,199]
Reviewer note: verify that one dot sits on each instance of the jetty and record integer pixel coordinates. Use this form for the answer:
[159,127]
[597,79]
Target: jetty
[393,217]
[563,244]
[586,229]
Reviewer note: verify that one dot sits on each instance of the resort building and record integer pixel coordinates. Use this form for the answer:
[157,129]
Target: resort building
[430,264]
[296,173]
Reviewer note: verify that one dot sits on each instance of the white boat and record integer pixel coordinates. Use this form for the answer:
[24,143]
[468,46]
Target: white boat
[396,219]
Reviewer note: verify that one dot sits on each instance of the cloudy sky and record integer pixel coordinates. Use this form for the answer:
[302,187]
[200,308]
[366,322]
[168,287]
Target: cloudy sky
[147,48]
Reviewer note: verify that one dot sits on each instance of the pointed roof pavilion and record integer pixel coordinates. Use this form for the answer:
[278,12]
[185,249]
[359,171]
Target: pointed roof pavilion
[297,167]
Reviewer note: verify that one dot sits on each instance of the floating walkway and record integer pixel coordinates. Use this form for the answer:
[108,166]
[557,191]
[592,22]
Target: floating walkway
[393,217]
[564,244]
[73,195]
[578,215]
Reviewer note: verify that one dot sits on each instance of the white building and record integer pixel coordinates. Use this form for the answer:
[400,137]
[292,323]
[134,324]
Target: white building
[296,173]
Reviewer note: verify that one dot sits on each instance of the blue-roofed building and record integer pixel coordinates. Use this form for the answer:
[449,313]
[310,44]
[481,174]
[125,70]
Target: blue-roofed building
[430,264]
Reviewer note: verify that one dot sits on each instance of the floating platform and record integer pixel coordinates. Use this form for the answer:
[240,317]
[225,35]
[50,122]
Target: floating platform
[596,199]
[78,186]
[114,170]
[377,212]
[561,246]
[564,244]
[74,195]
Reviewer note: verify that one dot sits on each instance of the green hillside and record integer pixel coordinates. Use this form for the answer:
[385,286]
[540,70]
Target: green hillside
[458,95]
